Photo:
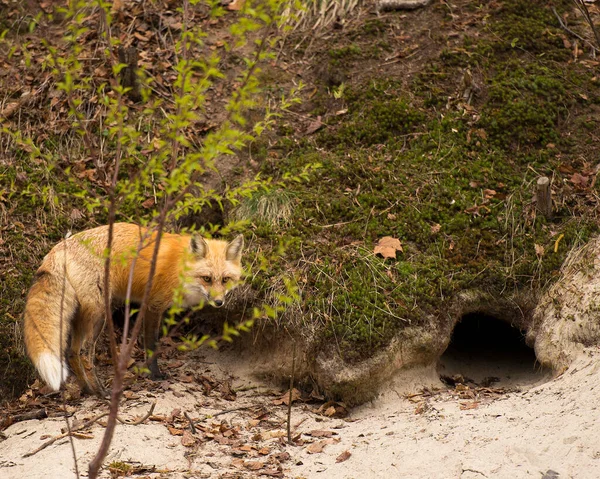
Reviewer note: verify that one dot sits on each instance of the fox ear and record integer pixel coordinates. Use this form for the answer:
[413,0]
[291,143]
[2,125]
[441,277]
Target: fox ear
[234,249]
[198,246]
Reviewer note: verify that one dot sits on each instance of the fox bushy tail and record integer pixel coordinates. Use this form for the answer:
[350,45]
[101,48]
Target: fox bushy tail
[51,306]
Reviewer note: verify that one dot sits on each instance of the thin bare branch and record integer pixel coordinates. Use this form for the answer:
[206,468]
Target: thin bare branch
[49,442]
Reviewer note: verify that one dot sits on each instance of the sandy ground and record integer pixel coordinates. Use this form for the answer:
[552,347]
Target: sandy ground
[544,428]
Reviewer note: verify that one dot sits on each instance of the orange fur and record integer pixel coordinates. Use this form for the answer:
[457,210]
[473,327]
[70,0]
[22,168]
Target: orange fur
[67,300]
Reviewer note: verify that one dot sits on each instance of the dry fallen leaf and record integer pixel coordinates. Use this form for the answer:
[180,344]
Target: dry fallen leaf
[187,439]
[343,456]
[316,447]
[330,411]
[285,398]
[116,7]
[333,409]
[149,203]
[271,434]
[254,465]
[579,180]
[236,5]
[539,250]
[435,228]
[387,247]
[469,405]
[314,126]
[487,194]
[321,433]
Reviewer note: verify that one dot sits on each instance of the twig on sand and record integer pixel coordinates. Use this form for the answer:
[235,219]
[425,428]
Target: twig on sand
[49,442]
[88,423]
[226,411]
[139,420]
[190,420]
[26,416]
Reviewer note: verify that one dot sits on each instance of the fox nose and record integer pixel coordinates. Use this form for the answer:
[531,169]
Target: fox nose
[218,303]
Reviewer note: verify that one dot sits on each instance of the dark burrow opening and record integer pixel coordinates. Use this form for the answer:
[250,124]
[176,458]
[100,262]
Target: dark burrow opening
[487,351]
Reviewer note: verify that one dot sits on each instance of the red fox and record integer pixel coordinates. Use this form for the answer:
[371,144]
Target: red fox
[66,300]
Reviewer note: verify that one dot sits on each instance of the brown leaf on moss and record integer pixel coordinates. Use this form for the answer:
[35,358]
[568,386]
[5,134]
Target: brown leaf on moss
[579,180]
[149,203]
[387,247]
[539,250]
[314,126]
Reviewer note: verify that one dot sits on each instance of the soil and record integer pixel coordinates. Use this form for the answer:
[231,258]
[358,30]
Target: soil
[418,428]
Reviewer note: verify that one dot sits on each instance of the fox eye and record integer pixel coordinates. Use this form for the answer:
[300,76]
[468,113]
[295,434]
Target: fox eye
[226,280]
[206,279]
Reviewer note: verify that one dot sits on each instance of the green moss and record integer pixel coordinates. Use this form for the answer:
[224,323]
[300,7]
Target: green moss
[525,104]
[374,27]
[530,26]
[39,199]
[376,115]
[454,185]
[348,52]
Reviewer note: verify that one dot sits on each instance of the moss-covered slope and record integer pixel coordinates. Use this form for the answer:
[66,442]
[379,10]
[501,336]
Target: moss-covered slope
[443,154]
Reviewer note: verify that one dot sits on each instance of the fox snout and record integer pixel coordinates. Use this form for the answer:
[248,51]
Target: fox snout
[216,296]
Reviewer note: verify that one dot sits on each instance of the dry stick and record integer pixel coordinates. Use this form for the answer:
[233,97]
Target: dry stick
[140,246]
[567,29]
[544,196]
[289,414]
[190,420]
[226,411]
[581,5]
[141,419]
[117,386]
[87,424]
[61,436]
[26,416]
[387,5]
[184,55]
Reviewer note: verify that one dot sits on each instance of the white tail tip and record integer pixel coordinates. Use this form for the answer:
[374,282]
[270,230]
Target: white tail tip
[51,369]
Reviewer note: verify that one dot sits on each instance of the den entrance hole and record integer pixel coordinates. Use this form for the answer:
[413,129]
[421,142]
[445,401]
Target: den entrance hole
[489,352]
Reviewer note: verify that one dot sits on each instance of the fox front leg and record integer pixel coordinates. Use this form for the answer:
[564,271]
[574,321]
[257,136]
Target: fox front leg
[151,331]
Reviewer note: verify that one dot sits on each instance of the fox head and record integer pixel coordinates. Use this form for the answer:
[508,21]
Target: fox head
[213,269]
